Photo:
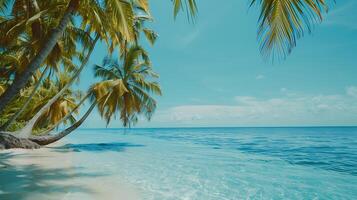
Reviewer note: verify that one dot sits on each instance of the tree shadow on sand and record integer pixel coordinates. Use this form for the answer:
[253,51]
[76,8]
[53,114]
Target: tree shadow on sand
[97,147]
[27,181]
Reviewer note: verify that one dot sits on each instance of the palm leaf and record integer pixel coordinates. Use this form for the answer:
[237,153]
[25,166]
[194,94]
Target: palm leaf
[282,22]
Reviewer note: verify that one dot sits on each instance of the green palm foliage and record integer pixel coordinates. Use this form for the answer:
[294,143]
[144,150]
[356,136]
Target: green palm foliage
[126,88]
[24,32]
[2,89]
[37,35]
[59,109]
[282,22]
[189,5]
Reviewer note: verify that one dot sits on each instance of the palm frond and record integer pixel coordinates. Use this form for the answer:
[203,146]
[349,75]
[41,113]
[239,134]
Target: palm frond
[189,5]
[283,22]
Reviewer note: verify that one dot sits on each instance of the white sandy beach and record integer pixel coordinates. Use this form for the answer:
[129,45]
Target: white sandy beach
[49,174]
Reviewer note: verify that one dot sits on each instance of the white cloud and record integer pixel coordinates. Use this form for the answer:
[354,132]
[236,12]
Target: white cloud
[259,77]
[283,89]
[352,91]
[295,109]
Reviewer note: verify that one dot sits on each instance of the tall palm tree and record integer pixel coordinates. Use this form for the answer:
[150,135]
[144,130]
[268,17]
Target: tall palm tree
[21,80]
[111,14]
[122,42]
[117,12]
[61,56]
[24,35]
[27,130]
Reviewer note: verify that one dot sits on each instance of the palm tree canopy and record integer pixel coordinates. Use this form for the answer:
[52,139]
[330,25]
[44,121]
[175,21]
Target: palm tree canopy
[126,88]
[60,108]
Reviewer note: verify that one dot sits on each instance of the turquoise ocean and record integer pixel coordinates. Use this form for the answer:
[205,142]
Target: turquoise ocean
[188,164]
[226,163]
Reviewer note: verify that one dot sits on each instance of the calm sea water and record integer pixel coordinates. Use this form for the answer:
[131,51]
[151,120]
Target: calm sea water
[226,163]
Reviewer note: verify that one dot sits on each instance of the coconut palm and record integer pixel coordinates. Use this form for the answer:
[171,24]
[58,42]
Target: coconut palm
[27,130]
[282,22]
[61,57]
[20,80]
[126,89]
[23,37]
[110,14]
[118,14]
[60,108]
[47,89]
[123,45]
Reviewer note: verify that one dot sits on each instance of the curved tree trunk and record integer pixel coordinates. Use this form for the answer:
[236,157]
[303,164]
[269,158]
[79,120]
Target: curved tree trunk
[65,117]
[9,141]
[48,139]
[21,79]
[26,131]
[7,124]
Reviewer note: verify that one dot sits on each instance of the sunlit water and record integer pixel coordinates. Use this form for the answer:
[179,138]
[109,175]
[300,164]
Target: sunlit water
[226,163]
[197,164]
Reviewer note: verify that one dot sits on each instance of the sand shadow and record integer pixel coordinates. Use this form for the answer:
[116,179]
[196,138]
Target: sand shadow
[29,180]
[97,147]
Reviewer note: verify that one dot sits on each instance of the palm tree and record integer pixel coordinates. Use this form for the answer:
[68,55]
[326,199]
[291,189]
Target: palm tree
[23,38]
[117,12]
[27,130]
[282,22]
[47,89]
[125,89]
[122,42]
[61,56]
[21,80]
[60,108]
[115,16]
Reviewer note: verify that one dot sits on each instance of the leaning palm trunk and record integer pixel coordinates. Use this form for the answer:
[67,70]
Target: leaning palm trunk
[65,117]
[7,124]
[26,131]
[48,139]
[21,79]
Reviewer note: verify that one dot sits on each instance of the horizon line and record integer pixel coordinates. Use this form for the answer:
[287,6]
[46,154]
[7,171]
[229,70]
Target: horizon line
[197,127]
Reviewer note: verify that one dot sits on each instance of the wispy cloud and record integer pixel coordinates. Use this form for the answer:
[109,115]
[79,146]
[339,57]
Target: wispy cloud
[285,110]
[259,77]
[190,37]
[352,91]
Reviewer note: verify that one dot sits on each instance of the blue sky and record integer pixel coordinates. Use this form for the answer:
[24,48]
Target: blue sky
[212,73]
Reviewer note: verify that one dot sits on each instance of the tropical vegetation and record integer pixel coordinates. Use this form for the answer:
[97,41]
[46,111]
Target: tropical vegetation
[45,45]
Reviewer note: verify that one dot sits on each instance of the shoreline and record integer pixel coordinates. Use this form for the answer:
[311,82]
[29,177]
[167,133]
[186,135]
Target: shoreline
[54,173]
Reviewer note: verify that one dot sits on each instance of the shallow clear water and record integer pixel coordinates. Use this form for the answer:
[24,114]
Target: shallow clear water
[225,163]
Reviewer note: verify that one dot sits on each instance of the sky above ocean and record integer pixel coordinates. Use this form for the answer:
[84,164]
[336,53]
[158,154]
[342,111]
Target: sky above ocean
[212,73]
